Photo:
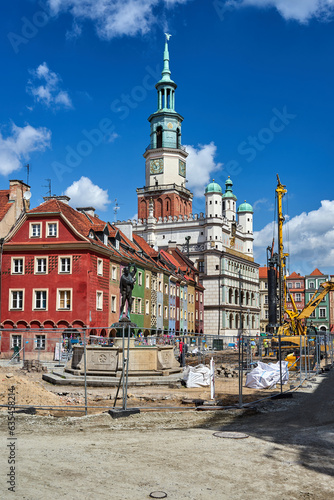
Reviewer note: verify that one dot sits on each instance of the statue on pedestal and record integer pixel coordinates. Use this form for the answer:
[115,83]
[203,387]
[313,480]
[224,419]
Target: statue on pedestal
[126,285]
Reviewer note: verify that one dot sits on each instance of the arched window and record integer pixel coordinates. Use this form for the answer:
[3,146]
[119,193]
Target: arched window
[236,297]
[143,210]
[231,321]
[230,295]
[159,137]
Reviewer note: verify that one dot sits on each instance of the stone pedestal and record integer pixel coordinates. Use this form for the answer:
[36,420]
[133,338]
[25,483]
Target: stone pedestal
[143,360]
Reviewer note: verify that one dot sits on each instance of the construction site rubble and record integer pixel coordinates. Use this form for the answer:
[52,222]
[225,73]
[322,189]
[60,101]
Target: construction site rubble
[227,372]
[34,365]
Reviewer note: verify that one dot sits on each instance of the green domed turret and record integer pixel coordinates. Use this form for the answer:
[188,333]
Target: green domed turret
[228,190]
[213,187]
[245,207]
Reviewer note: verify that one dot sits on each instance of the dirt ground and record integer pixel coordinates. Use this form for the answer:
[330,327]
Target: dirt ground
[31,389]
[288,454]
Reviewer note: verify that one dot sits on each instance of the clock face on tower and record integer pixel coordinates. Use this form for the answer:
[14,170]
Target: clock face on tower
[182,168]
[157,166]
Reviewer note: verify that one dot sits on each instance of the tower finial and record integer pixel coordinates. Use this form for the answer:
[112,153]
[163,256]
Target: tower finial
[166,70]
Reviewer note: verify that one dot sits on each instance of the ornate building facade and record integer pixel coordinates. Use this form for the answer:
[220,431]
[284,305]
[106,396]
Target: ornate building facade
[219,241]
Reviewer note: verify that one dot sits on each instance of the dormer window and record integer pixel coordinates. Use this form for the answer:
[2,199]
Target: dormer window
[91,234]
[52,229]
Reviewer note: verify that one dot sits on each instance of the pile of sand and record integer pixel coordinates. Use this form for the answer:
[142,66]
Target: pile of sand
[27,391]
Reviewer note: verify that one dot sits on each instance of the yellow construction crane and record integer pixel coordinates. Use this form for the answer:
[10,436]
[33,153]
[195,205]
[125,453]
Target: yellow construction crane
[289,332]
[295,324]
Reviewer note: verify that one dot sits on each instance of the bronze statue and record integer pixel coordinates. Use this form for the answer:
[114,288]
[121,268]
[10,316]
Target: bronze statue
[126,285]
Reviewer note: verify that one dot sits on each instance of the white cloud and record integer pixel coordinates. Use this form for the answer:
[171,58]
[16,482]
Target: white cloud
[299,10]
[308,237]
[265,203]
[84,193]
[113,17]
[20,144]
[45,88]
[200,166]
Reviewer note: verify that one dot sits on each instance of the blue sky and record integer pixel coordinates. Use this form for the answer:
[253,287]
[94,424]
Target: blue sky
[255,86]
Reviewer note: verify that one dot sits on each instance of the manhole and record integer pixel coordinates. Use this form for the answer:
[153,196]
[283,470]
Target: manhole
[231,435]
[158,494]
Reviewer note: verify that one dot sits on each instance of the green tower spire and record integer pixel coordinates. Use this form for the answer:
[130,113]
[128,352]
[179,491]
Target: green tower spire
[166,71]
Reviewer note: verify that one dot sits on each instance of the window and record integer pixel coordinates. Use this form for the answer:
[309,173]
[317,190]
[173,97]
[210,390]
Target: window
[201,266]
[201,316]
[266,314]
[16,341]
[100,267]
[147,281]
[160,286]
[35,230]
[196,296]
[113,272]
[160,310]
[140,278]
[133,306]
[40,265]
[311,284]
[298,284]
[113,303]
[177,314]
[17,266]
[64,264]
[181,293]
[139,306]
[196,314]
[289,284]
[52,229]
[166,289]
[166,312]
[266,299]
[64,299]
[147,307]
[40,342]
[99,301]
[185,315]
[266,285]
[154,310]
[40,299]
[16,299]
[201,297]
[322,312]
[154,285]
[298,297]
[177,291]
[312,315]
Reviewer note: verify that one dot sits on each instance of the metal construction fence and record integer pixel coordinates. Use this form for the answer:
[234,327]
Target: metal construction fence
[88,371]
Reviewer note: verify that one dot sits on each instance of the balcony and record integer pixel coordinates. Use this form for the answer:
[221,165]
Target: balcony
[182,148]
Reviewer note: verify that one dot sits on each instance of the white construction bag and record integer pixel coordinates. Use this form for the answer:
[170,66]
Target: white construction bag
[267,375]
[197,376]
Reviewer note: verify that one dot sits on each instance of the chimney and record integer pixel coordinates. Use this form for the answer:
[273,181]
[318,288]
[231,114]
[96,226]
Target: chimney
[87,210]
[17,190]
[63,198]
